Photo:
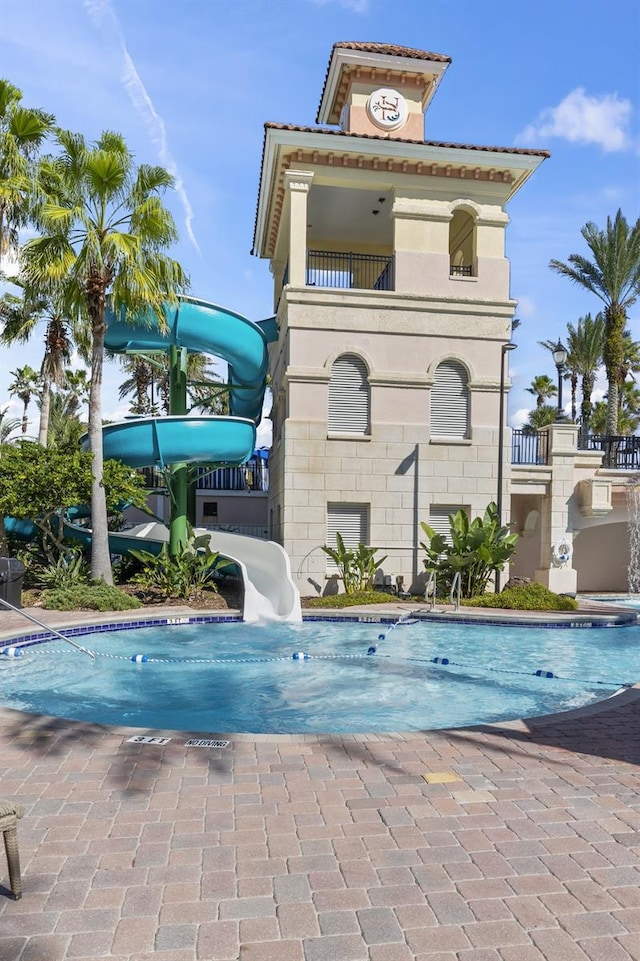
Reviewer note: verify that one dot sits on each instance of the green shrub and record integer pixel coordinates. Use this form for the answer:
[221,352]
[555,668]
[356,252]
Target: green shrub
[525,597]
[88,597]
[350,600]
[184,576]
[356,566]
[70,570]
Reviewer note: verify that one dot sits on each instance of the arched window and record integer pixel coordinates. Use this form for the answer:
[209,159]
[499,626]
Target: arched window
[450,401]
[462,243]
[349,396]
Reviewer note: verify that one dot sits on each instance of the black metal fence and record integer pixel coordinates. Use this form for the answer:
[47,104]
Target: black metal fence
[345,270]
[461,270]
[253,476]
[529,447]
[620,452]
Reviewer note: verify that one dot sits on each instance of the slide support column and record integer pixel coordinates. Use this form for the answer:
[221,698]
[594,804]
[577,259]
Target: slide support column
[179,480]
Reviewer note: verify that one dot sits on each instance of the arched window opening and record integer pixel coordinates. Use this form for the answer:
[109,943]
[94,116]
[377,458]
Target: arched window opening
[349,396]
[462,231]
[450,401]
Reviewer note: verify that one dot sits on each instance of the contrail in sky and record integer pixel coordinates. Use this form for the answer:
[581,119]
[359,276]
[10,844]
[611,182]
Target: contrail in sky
[98,10]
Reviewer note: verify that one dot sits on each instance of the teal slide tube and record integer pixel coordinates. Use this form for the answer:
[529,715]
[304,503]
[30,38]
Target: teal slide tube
[204,328]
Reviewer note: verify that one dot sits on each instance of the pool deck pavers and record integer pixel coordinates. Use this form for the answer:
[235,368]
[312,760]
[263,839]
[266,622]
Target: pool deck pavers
[513,842]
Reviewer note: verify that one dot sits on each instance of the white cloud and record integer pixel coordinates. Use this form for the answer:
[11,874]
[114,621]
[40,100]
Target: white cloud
[99,10]
[526,307]
[579,118]
[519,418]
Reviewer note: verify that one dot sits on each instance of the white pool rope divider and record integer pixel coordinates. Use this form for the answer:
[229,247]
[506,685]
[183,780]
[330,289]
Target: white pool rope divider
[404,620]
[10,651]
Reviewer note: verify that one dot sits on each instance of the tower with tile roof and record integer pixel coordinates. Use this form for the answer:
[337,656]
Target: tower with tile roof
[391,289]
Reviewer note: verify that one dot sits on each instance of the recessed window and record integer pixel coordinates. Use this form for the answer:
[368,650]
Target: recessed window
[351,521]
[210,509]
[450,401]
[462,231]
[349,396]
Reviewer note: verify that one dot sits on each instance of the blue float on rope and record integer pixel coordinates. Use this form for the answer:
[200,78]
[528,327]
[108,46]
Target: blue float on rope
[439,660]
[12,652]
[139,658]
[300,656]
[372,649]
[544,674]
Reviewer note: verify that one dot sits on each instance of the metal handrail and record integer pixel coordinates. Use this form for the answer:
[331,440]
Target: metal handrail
[433,584]
[51,630]
[455,584]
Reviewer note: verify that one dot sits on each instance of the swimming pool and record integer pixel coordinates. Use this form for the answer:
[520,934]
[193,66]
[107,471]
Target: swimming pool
[234,677]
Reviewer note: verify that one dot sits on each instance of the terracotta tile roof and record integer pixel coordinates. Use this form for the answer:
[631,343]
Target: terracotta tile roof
[365,136]
[333,132]
[390,49]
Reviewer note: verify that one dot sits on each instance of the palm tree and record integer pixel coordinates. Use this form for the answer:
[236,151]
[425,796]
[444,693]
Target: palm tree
[26,381]
[542,387]
[65,427]
[75,390]
[613,275]
[541,416]
[104,233]
[7,426]
[19,317]
[138,383]
[22,132]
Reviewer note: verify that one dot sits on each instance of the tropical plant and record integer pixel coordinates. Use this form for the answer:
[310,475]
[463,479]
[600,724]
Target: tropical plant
[22,132]
[541,417]
[184,576]
[475,550]
[356,566]
[26,382]
[586,342]
[7,425]
[138,383]
[65,427]
[41,483]
[542,387]
[97,596]
[69,570]
[19,317]
[613,275]
[104,231]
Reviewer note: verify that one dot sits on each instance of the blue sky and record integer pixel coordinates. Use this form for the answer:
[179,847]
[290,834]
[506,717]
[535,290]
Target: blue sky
[191,83]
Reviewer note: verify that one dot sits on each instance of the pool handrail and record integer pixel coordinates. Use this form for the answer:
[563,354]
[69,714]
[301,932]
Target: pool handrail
[51,630]
[455,590]
[433,584]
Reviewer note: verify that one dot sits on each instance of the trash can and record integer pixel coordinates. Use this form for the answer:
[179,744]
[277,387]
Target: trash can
[11,576]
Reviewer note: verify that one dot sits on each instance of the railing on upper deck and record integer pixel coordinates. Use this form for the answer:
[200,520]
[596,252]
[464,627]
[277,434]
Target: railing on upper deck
[461,270]
[349,271]
[620,452]
[529,447]
[253,476]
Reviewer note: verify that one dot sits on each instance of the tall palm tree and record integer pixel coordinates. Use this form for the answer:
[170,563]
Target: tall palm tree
[105,231]
[26,382]
[65,427]
[586,343]
[140,371]
[613,275]
[22,132]
[541,416]
[76,390]
[19,318]
[542,388]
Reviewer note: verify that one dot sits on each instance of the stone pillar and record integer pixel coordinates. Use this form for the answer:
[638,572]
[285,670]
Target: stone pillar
[297,183]
[556,566]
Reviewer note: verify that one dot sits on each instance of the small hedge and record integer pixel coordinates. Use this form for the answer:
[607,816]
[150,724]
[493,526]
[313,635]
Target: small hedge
[88,597]
[525,597]
[350,600]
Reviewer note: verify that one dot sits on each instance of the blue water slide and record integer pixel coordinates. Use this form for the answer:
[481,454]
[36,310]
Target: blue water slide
[160,441]
[208,329]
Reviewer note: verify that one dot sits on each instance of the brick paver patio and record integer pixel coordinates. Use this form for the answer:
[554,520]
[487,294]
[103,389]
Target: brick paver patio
[509,843]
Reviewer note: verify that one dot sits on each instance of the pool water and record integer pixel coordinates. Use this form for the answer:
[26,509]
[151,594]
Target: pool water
[224,678]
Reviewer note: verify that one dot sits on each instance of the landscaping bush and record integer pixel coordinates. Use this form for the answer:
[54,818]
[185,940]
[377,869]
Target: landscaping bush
[525,597]
[88,597]
[350,600]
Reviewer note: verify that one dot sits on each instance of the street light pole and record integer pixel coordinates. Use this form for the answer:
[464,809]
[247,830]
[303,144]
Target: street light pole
[503,353]
[559,354]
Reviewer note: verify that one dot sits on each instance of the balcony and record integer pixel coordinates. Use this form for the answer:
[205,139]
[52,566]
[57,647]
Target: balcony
[529,447]
[253,476]
[620,452]
[461,270]
[349,271]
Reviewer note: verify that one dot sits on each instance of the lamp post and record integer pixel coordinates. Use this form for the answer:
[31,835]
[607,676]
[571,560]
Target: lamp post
[503,354]
[559,355]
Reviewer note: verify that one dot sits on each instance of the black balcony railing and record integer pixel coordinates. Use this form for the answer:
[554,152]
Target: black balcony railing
[620,452]
[253,476]
[461,270]
[529,447]
[351,271]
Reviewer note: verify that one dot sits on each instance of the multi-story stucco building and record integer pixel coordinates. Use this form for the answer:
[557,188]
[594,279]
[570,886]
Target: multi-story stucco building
[393,308]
